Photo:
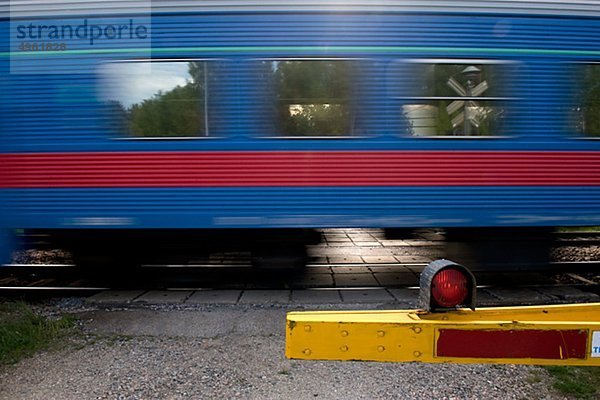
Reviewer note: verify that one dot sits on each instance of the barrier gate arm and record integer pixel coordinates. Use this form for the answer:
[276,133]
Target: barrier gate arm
[540,335]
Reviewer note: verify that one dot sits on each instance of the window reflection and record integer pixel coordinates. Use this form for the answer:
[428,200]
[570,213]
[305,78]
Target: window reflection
[313,97]
[158,99]
[588,120]
[456,100]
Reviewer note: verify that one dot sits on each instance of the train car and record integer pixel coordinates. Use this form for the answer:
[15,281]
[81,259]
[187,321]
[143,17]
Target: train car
[128,125]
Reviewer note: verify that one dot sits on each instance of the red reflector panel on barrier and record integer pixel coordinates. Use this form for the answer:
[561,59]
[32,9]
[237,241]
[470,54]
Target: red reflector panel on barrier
[553,345]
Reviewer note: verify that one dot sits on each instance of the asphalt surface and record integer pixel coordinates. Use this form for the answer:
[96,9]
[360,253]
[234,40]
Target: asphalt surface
[168,352]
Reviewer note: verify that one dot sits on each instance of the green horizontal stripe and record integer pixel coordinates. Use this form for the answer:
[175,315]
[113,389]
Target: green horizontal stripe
[319,49]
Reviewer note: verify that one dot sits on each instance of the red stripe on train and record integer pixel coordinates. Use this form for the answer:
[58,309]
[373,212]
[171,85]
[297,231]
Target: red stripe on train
[530,343]
[299,168]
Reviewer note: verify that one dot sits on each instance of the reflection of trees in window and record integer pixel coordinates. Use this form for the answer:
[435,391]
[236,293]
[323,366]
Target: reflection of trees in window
[456,100]
[313,97]
[177,112]
[589,121]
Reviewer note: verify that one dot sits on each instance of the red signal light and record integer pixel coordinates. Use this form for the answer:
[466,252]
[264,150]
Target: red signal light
[445,284]
[450,287]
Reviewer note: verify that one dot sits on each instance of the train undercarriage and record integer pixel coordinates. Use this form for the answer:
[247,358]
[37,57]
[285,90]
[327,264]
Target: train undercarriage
[281,249]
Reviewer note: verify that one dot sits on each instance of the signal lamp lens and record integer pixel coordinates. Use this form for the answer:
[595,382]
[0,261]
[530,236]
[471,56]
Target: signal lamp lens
[449,287]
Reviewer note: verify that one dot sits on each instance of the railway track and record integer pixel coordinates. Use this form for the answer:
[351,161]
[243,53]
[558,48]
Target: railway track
[69,280]
[577,238]
[231,272]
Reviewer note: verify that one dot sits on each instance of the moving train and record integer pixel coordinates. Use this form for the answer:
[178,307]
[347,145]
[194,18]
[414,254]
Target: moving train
[134,125]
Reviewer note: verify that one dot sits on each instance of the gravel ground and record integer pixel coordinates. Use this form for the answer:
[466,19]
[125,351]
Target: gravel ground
[572,253]
[576,253]
[229,352]
[33,256]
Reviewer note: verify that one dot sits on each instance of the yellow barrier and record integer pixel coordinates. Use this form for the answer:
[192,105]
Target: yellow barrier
[543,335]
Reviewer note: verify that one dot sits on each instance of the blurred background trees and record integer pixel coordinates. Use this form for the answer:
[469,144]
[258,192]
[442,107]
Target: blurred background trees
[590,111]
[313,97]
[176,112]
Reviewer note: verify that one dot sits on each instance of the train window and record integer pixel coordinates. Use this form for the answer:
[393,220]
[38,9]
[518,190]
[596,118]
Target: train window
[455,99]
[588,120]
[158,99]
[313,97]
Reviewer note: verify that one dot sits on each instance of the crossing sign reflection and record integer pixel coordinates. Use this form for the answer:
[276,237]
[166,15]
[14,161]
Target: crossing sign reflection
[467,112]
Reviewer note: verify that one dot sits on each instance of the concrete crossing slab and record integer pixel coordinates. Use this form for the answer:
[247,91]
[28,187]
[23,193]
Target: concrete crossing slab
[336,238]
[361,237]
[404,295]
[316,296]
[397,279]
[347,243]
[115,296]
[164,296]
[568,293]
[414,259]
[522,296]
[368,260]
[345,259]
[342,280]
[485,299]
[383,259]
[367,244]
[393,243]
[313,280]
[321,269]
[214,297]
[343,251]
[317,259]
[265,297]
[390,269]
[366,296]
[351,270]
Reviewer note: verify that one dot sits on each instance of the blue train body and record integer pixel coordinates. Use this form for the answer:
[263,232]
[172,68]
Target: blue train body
[51,105]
